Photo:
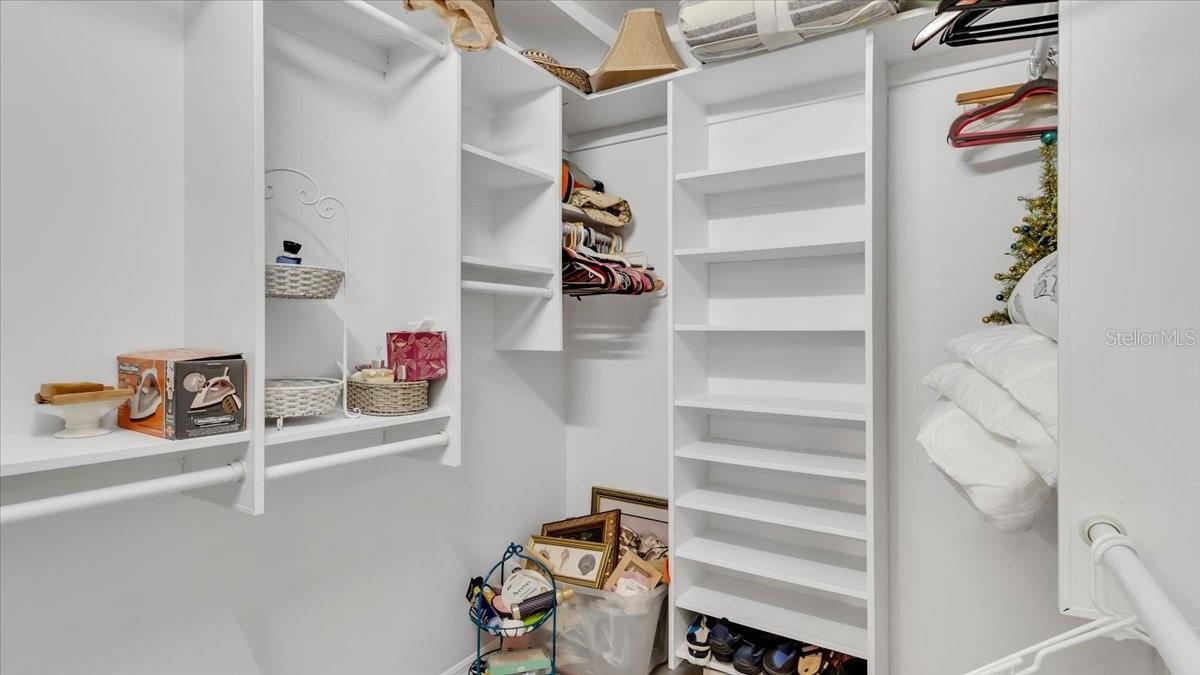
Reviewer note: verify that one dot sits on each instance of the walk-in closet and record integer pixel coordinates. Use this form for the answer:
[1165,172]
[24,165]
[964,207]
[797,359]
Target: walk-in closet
[826,337]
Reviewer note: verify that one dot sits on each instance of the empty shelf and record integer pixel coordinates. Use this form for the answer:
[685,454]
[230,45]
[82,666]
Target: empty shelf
[486,264]
[796,565]
[21,454]
[783,510]
[490,288]
[849,468]
[759,611]
[767,328]
[490,170]
[776,405]
[719,254]
[814,167]
[308,428]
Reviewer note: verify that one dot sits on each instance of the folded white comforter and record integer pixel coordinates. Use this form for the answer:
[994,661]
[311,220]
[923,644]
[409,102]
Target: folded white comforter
[993,433]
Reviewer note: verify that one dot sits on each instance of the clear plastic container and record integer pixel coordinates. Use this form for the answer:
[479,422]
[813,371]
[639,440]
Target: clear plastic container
[601,633]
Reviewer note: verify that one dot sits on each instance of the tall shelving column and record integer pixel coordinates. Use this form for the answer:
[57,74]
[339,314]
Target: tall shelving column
[511,130]
[777,398]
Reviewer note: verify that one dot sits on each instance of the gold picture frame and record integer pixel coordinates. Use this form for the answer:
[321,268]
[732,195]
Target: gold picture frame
[582,563]
[602,528]
[640,513]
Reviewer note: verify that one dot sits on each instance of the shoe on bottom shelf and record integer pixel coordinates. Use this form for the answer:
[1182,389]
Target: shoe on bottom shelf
[725,638]
[697,640]
[748,659]
[783,658]
[813,661]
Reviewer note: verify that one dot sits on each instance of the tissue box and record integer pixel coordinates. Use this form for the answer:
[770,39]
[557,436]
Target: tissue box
[419,356]
[182,393]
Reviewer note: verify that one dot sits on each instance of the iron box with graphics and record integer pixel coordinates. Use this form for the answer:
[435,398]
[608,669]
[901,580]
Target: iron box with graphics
[182,393]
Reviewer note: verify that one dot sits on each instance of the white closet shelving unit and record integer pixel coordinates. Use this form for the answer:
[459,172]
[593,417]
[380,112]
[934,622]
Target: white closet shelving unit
[511,151]
[343,92]
[776,354]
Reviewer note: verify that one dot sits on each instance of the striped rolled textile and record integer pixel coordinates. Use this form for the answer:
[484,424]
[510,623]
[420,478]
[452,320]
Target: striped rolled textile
[724,29]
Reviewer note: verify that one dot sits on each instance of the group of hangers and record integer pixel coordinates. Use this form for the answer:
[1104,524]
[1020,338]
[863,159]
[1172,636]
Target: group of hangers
[595,263]
[576,235]
[958,22]
[1028,109]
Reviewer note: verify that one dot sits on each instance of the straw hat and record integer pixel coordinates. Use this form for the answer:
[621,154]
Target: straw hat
[642,50]
[576,77]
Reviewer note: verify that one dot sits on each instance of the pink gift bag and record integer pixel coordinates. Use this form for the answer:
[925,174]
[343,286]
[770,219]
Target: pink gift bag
[423,354]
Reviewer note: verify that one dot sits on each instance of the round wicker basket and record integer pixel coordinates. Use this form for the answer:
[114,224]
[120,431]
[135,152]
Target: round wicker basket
[387,398]
[307,282]
[301,396]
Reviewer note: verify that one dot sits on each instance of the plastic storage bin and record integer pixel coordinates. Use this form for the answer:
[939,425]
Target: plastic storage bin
[601,633]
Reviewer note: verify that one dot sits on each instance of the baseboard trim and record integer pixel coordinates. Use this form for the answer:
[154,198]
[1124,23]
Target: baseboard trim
[461,667]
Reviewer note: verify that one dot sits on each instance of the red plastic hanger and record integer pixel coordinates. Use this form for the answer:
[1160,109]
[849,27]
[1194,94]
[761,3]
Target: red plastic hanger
[959,137]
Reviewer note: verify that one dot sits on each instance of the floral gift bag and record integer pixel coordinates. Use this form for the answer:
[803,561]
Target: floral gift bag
[419,355]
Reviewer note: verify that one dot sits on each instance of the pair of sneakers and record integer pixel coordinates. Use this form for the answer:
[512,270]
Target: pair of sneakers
[728,643]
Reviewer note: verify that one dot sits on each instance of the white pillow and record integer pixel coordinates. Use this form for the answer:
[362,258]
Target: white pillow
[1035,299]
[983,467]
[998,412]
[1019,359]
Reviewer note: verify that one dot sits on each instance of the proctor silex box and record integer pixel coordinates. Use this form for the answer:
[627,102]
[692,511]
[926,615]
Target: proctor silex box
[182,393]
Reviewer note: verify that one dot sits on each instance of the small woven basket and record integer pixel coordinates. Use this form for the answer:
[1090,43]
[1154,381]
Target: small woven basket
[301,396]
[307,282]
[387,398]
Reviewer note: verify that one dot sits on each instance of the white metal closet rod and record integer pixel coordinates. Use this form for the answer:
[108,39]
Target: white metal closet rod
[233,472]
[400,28]
[192,480]
[438,440]
[1173,636]
[507,289]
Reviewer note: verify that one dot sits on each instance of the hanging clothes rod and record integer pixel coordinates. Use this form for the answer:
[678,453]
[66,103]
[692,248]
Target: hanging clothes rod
[234,472]
[438,440]
[1165,628]
[414,36]
[507,289]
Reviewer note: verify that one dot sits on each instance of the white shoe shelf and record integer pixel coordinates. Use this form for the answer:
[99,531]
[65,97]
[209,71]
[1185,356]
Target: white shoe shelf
[777,477]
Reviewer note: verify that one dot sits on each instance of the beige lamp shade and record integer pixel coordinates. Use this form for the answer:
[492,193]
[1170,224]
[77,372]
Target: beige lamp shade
[642,50]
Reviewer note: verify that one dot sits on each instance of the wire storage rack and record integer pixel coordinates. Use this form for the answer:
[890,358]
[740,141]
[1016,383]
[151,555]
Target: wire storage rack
[514,553]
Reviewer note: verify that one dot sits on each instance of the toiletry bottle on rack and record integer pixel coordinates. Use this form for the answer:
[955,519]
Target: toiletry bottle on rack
[290,254]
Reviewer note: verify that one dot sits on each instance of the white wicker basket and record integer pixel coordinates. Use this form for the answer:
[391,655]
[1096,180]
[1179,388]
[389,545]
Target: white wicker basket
[301,396]
[308,282]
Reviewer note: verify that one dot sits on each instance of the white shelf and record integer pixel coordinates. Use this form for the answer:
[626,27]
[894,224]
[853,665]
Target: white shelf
[799,566]
[803,169]
[490,265]
[489,170]
[574,214]
[776,405]
[787,511]
[757,610]
[30,454]
[308,428]
[720,254]
[767,328]
[512,290]
[831,466]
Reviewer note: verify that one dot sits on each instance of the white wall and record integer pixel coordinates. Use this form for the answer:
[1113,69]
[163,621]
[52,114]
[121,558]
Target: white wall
[359,569]
[616,346]
[963,593]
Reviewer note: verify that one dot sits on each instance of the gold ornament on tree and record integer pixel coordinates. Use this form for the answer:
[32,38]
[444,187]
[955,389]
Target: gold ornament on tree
[1037,235]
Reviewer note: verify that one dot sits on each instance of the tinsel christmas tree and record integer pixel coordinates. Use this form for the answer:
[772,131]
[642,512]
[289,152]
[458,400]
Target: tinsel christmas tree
[1037,235]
